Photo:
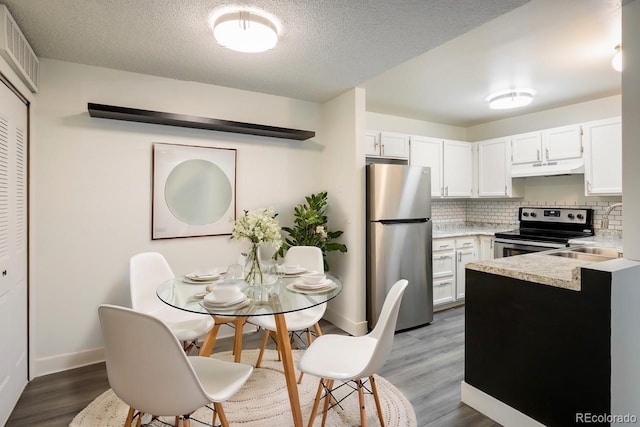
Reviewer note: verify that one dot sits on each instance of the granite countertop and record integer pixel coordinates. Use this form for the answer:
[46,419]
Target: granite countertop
[603,238]
[441,231]
[549,270]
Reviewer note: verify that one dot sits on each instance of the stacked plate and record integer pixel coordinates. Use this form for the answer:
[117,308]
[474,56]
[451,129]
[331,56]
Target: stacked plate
[201,277]
[225,298]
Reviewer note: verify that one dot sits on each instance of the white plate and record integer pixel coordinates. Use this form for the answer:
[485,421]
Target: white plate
[241,304]
[327,288]
[299,270]
[185,279]
[302,285]
[224,296]
[203,277]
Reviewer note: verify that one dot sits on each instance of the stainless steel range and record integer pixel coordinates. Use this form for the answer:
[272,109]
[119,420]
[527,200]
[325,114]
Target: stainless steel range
[542,229]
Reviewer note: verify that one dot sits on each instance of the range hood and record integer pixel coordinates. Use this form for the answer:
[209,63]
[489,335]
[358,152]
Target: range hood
[560,167]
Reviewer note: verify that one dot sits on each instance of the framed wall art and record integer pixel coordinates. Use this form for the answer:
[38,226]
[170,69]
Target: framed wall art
[194,191]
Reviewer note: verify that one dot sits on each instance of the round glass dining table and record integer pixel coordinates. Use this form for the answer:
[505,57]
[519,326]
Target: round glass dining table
[277,299]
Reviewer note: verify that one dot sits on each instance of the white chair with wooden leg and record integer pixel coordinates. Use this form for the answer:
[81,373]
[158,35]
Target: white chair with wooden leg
[146,272]
[347,358]
[150,372]
[309,258]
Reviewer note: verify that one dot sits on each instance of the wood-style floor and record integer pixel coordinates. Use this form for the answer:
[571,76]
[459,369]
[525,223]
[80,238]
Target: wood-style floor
[426,364]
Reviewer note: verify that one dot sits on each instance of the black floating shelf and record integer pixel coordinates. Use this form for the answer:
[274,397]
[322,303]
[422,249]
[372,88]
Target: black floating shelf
[170,119]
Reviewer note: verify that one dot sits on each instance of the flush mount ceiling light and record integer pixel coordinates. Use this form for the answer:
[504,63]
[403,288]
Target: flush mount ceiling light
[616,62]
[245,31]
[513,98]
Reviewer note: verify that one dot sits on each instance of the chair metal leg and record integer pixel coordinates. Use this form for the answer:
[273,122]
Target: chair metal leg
[363,414]
[129,419]
[223,418]
[374,390]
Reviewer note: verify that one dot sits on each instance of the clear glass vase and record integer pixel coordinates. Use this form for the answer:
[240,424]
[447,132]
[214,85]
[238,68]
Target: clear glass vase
[253,274]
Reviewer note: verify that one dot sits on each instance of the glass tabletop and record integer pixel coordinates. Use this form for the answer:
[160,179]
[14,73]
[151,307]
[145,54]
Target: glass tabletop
[281,297]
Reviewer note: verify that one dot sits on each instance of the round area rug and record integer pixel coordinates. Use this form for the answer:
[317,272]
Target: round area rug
[264,402]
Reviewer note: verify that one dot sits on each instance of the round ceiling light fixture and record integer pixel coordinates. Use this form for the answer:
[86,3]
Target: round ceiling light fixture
[512,98]
[616,62]
[245,31]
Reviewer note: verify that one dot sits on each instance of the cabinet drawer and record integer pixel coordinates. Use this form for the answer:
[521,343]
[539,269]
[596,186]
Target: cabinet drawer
[466,243]
[443,245]
[443,264]
[443,291]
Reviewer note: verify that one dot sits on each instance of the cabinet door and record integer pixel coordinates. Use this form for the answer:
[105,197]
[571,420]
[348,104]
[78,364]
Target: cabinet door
[428,152]
[458,169]
[494,169]
[463,257]
[394,145]
[443,264]
[603,157]
[486,248]
[527,148]
[372,143]
[562,143]
[443,291]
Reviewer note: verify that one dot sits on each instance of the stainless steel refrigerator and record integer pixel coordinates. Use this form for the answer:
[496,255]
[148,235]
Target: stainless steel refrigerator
[399,233]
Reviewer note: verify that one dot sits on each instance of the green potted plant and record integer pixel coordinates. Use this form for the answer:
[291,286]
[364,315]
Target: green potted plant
[310,228]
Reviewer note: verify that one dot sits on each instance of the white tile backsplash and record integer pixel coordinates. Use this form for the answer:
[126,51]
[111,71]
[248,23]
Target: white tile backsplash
[506,211]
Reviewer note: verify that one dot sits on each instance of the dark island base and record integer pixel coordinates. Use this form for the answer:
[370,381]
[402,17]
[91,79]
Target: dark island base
[542,350]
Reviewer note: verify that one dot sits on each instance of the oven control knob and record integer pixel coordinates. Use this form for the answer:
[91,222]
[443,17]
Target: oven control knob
[570,216]
[525,213]
[533,214]
[580,216]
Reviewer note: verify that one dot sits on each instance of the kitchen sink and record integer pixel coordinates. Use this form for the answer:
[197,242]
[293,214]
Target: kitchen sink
[588,253]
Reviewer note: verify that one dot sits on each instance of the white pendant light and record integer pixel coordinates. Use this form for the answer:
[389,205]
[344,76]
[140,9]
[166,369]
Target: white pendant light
[244,31]
[512,98]
[616,62]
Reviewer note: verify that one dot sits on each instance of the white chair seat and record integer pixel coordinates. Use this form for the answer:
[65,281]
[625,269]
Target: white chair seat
[338,357]
[220,380]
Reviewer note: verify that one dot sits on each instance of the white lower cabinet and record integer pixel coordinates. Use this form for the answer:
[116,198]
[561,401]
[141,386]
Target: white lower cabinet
[486,251]
[449,259]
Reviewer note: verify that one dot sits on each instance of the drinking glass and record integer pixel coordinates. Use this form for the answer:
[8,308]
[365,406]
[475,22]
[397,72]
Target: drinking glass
[234,273]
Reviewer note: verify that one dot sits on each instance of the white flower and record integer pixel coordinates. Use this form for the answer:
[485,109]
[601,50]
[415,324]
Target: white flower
[321,231]
[257,226]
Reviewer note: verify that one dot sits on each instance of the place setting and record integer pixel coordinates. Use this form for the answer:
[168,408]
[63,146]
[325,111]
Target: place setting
[199,277]
[311,283]
[292,270]
[224,298]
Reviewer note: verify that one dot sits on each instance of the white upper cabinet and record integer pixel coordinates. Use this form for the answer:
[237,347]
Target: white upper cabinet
[527,148]
[603,157]
[494,167]
[548,145]
[458,169]
[562,143]
[386,144]
[427,152]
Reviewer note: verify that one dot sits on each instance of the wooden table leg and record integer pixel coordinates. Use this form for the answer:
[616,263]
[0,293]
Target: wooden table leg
[209,342]
[289,371]
[237,338]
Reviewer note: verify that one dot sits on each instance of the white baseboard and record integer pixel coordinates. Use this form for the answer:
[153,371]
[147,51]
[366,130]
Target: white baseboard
[63,362]
[355,329]
[493,408]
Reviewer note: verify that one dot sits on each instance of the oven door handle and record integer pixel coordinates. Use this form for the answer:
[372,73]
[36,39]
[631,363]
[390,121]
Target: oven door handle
[531,243]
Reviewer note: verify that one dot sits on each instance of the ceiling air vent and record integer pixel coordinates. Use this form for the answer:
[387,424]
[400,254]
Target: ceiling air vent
[16,50]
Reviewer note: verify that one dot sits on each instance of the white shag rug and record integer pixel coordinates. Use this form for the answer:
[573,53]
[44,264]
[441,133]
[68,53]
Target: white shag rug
[264,402]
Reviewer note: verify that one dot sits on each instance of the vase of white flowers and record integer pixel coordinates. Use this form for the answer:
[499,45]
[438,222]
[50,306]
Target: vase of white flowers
[256,227]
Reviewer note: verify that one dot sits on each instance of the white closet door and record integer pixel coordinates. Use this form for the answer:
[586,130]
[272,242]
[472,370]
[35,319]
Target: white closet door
[13,250]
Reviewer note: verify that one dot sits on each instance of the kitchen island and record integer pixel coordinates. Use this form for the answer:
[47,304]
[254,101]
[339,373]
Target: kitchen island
[552,340]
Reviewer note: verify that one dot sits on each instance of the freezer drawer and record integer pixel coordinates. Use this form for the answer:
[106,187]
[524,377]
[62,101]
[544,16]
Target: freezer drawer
[400,251]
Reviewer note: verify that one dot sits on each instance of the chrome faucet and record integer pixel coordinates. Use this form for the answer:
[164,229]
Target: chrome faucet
[605,218]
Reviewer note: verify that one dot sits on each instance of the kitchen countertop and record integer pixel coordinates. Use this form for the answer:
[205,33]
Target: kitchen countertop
[604,239]
[441,231]
[544,269]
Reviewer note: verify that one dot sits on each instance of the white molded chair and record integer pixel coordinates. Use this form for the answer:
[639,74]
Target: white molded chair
[147,271]
[162,381]
[347,358]
[309,258]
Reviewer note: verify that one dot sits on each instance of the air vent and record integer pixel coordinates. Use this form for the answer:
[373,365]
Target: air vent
[16,50]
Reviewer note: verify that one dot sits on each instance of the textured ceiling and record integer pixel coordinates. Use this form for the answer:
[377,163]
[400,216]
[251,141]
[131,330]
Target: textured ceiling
[325,47]
[434,60]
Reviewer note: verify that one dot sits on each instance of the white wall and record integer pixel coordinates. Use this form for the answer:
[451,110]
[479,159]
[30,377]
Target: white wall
[388,123]
[631,129]
[91,191]
[343,161]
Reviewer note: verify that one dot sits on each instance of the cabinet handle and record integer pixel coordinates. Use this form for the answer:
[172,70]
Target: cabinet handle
[459,256]
[442,283]
[467,244]
[505,190]
[491,244]
[589,187]
[444,257]
[446,190]
[382,149]
[538,154]
[547,153]
[444,246]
